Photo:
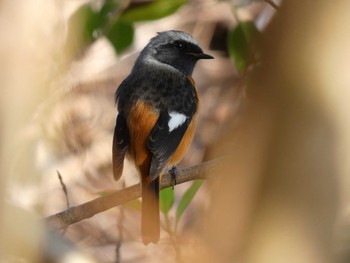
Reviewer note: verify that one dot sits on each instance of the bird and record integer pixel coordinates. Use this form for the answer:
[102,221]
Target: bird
[157,107]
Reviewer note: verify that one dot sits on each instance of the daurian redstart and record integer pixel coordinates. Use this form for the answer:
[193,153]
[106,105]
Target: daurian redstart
[157,106]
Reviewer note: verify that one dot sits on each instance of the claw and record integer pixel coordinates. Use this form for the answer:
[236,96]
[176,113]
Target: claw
[173,172]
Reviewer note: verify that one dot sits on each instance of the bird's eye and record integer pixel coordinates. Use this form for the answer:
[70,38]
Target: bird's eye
[179,45]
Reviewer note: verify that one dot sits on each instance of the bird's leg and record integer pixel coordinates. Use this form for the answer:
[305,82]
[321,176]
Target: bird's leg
[173,173]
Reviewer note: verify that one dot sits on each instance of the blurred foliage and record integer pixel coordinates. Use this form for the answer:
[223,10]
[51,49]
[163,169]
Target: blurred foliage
[121,28]
[152,11]
[187,198]
[241,44]
[114,21]
[166,199]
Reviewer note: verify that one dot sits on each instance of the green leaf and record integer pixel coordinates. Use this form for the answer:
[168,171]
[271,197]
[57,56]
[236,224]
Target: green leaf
[187,198]
[151,11]
[88,20]
[108,8]
[240,44]
[166,199]
[121,35]
[81,27]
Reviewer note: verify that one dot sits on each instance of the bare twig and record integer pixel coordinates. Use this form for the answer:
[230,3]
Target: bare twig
[98,205]
[271,3]
[64,188]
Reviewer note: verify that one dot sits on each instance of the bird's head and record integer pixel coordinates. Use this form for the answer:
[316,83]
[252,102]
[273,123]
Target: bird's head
[176,49]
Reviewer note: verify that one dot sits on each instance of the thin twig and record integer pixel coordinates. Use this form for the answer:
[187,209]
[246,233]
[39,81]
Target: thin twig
[98,205]
[64,188]
[271,3]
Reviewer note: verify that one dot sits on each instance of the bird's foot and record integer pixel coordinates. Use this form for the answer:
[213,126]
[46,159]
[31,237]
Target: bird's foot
[173,173]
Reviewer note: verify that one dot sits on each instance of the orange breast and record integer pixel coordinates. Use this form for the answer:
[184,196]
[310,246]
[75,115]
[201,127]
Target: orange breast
[141,120]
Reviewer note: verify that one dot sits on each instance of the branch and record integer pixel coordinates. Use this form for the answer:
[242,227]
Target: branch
[271,3]
[78,213]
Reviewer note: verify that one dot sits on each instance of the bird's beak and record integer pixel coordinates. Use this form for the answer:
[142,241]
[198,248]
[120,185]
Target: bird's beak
[204,56]
[201,55]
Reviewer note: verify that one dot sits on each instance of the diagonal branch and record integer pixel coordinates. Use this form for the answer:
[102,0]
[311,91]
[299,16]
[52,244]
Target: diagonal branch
[78,213]
[271,3]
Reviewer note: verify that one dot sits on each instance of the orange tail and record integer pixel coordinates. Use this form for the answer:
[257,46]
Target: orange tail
[150,226]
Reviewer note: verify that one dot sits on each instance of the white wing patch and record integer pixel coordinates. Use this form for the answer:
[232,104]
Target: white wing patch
[176,120]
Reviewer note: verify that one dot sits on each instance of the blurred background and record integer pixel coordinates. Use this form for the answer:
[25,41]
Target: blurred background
[274,102]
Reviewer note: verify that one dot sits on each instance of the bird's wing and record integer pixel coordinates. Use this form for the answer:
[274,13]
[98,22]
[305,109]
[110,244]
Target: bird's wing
[164,139]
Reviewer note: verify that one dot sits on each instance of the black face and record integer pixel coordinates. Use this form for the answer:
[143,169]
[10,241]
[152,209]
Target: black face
[181,55]
[186,49]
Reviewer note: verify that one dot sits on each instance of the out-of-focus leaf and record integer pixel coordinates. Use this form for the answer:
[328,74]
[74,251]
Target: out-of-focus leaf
[134,204]
[86,20]
[81,27]
[121,35]
[187,198]
[108,8]
[240,44]
[166,199]
[152,11]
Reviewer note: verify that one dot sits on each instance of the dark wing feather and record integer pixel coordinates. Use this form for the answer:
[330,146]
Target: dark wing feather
[162,143]
[120,145]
